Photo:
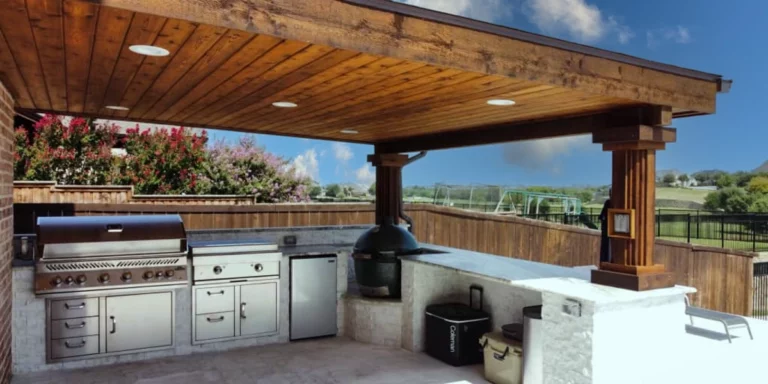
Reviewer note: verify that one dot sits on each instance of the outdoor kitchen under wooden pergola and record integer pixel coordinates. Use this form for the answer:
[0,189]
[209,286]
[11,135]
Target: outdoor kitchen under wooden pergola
[400,78]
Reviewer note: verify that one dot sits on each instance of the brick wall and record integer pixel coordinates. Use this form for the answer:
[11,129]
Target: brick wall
[6,230]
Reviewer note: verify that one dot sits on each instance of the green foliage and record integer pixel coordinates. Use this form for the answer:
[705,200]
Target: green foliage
[73,153]
[729,199]
[742,178]
[760,205]
[683,178]
[334,190]
[668,179]
[724,181]
[758,184]
[372,189]
[707,177]
[544,207]
[315,191]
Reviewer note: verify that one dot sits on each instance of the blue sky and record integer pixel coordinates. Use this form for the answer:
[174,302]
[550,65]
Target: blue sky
[723,37]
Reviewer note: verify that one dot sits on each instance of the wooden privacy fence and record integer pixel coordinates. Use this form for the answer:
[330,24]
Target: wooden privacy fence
[723,277]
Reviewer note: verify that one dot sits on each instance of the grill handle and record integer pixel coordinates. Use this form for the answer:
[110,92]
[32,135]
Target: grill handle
[478,288]
[114,228]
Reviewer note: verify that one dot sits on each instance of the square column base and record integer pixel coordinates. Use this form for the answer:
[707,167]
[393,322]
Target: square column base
[634,282]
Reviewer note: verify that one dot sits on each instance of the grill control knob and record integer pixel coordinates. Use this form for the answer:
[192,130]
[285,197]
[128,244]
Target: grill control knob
[56,281]
[81,279]
[159,274]
[258,267]
[217,269]
[148,275]
[69,280]
[104,278]
[169,273]
[127,276]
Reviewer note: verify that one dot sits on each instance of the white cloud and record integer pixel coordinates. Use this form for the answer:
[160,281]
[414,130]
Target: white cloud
[307,165]
[365,175]
[679,35]
[485,10]
[543,155]
[580,20]
[342,152]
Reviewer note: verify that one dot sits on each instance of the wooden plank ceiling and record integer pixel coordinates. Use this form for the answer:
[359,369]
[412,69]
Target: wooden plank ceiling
[73,57]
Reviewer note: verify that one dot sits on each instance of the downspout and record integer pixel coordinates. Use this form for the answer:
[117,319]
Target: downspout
[403,216]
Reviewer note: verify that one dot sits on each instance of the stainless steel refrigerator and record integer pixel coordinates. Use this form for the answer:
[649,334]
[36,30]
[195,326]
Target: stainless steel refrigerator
[313,296]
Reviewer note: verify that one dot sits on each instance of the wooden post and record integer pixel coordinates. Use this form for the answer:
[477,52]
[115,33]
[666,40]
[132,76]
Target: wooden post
[389,184]
[633,202]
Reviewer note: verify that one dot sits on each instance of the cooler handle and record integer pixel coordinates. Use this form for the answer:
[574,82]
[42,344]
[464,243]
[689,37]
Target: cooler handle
[474,287]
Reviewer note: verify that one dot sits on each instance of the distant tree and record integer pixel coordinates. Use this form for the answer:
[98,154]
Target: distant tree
[683,178]
[724,181]
[760,205]
[742,178]
[315,191]
[707,177]
[333,190]
[668,179]
[758,185]
[729,199]
[372,189]
[544,207]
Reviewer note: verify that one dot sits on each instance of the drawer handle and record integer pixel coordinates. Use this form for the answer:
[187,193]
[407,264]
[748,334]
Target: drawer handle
[219,319]
[67,326]
[215,293]
[82,344]
[114,324]
[68,307]
[242,310]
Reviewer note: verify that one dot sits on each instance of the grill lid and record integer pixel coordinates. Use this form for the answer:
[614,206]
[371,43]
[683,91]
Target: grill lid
[91,236]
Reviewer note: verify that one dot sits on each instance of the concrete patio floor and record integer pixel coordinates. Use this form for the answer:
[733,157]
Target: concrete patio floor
[335,360]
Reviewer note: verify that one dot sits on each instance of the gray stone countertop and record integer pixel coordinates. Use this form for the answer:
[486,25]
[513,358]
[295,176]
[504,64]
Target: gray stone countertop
[313,250]
[500,268]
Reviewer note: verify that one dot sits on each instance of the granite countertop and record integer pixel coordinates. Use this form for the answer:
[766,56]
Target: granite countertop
[315,249]
[500,268]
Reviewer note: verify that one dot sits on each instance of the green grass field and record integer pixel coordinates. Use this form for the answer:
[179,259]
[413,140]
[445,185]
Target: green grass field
[682,194]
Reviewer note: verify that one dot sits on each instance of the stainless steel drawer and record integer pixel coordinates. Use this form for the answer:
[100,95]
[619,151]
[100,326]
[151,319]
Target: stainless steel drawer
[85,326]
[236,270]
[214,299]
[74,308]
[75,346]
[214,326]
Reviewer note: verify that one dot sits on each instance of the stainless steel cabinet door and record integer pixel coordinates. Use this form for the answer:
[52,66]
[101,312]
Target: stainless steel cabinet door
[313,297]
[258,309]
[139,321]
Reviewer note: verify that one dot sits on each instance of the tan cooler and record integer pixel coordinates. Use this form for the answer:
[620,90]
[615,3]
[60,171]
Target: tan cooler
[503,359]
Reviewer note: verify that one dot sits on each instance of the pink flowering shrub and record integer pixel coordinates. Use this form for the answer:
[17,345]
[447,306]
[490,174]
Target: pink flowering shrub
[247,169]
[162,162]
[73,153]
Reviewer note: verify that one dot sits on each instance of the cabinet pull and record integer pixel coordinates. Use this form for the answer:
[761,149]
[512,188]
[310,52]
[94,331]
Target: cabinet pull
[242,310]
[82,344]
[220,318]
[114,324]
[215,293]
[68,307]
[67,326]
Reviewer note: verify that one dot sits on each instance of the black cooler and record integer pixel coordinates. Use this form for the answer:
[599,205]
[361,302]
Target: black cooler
[453,331]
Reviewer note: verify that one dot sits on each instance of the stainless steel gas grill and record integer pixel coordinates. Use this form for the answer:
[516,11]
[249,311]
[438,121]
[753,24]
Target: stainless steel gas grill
[88,253]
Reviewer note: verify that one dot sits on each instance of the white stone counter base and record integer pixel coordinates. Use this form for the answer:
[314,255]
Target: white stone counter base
[373,321]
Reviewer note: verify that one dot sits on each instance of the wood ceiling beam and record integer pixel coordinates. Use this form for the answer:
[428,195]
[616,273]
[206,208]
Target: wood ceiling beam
[501,133]
[400,34]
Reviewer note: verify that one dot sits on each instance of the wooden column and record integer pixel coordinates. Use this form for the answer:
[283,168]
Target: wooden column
[634,196]
[389,184]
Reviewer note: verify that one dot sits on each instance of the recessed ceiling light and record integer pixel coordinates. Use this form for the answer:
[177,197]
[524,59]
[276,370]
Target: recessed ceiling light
[501,102]
[149,50]
[349,132]
[284,104]
[116,108]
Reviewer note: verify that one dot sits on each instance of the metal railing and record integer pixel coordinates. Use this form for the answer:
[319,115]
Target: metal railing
[760,291]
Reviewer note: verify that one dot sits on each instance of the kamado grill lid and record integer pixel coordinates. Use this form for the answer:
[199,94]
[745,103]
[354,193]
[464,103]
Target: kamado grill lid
[386,240]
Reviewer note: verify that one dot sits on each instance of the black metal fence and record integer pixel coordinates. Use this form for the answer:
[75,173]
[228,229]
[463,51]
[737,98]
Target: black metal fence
[744,232]
[760,291]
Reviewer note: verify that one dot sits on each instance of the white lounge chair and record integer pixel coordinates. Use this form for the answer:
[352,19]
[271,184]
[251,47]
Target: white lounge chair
[728,320]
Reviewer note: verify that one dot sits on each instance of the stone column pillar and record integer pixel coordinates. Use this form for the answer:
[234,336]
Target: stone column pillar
[6,229]
[633,199]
